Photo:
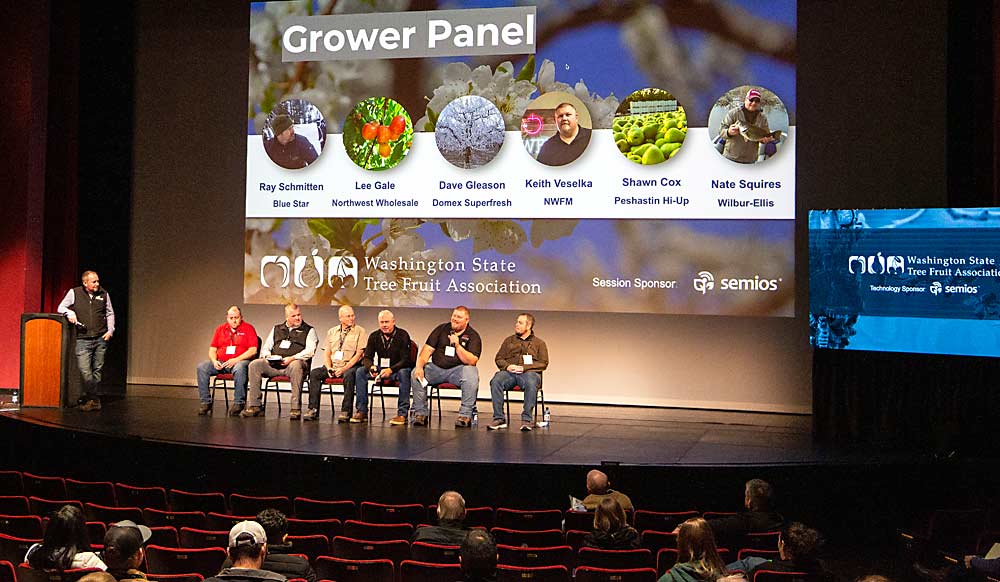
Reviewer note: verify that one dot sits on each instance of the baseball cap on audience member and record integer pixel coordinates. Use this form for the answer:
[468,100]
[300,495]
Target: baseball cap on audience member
[120,544]
[246,533]
[144,531]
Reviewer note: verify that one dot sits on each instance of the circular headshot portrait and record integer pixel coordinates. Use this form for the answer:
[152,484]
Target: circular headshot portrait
[555,128]
[748,124]
[294,134]
[649,126]
[469,131]
[378,134]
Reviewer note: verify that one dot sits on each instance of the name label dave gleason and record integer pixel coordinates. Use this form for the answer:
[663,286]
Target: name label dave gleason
[403,35]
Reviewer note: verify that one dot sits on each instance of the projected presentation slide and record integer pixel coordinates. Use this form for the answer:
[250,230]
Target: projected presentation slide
[923,280]
[510,156]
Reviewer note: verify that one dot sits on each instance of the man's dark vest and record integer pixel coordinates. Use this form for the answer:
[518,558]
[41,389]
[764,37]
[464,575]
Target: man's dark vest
[297,336]
[92,312]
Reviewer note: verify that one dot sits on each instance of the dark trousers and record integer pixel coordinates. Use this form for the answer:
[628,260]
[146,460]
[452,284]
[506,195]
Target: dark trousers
[316,378]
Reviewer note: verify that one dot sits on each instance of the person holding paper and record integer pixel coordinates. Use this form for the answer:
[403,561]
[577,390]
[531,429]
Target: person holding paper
[521,359]
[450,355]
[341,358]
[287,351]
[387,356]
[234,344]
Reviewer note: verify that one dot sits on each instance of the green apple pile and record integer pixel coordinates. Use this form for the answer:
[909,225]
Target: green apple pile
[650,138]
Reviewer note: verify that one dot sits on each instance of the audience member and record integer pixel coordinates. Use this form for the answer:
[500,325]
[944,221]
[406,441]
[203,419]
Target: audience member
[123,550]
[599,488]
[697,558]
[450,530]
[247,550]
[798,551]
[758,499]
[611,528]
[279,558]
[478,557]
[65,545]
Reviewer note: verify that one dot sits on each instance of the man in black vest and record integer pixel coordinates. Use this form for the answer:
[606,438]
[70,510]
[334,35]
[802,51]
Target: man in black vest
[287,351]
[89,308]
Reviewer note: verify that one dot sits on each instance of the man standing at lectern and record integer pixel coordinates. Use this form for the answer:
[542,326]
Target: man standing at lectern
[88,307]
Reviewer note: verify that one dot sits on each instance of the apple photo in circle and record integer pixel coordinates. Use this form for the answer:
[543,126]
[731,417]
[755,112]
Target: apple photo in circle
[647,120]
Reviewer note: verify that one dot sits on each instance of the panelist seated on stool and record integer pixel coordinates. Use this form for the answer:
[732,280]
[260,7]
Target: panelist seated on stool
[387,357]
[521,359]
[287,351]
[233,345]
[342,354]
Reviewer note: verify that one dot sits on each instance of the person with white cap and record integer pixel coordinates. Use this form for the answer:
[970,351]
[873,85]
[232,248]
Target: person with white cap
[247,550]
[123,550]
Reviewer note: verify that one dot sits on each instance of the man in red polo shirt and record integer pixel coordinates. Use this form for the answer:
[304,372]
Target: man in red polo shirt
[233,345]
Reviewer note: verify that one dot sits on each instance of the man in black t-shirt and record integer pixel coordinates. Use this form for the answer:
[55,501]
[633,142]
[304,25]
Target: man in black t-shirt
[569,142]
[450,355]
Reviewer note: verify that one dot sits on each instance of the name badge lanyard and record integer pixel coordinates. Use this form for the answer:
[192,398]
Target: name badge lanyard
[385,350]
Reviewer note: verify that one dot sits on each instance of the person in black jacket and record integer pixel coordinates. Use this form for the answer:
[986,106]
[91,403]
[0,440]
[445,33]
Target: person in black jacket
[758,498]
[247,549]
[279,558]
[478,557]
[611,528]
[450,531]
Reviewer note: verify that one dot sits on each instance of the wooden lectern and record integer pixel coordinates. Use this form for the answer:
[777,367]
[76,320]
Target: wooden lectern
[47,352]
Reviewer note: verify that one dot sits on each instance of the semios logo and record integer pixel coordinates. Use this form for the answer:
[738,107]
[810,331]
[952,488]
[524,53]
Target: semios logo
[936,288]
[333,272]
[704,282]
[876,264]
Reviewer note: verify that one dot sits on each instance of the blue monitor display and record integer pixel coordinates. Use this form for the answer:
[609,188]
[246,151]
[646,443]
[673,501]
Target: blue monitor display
[911,280]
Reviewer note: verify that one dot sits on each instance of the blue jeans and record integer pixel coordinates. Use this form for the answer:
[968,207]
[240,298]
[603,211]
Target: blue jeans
[240,372]
[90,359]
[402,377]
[465,377]
[504,380]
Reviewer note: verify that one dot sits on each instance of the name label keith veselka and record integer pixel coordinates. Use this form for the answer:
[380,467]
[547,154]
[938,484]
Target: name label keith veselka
[558,183]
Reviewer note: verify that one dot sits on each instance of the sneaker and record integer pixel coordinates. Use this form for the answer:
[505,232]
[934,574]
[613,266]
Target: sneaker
[398,420]
[463,422]
[526,427]
[343,417]
[205,409]
[359,417]
[295,415]
[497,425]
[235,409]
[419,420]
[252,411]
[91,406]
[311,414]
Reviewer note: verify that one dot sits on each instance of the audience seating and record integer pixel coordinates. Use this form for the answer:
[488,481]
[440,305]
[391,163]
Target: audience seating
[312,546]
[718,514]
[96,531]
[224,521]
[109,515]
[306,508]
[44,487]
[7,573]
[132,496]
[592,574]
[26,573]
[13,548]
[771,576]
[204,561]
[348,570]
[654,540]
[252,505]
[529,520]
[44,507]
[535,557]
[614,559]
[179,578]
[434,553]
[762,541]
[14,505]
[475,517]
[413,571]
[99,492]
[202,538]
[158,517]
[11,483]
[956,531]
[204,502]
[540,574]
[661,520]
[411,513]
[361,530]
[578,520]
[330,528]
[21,526]
[354,549]
[665,560]
[164,535]
[534,539]
[575,537]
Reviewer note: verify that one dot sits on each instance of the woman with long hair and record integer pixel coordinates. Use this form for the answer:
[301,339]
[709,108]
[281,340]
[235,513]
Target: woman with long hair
[65,545]
[697,559]
[611,528]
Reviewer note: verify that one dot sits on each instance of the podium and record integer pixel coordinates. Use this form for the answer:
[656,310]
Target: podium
[48,365]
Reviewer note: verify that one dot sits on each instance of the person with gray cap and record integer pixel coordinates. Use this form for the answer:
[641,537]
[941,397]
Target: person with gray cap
[247,550]
[286,148]
[123,550]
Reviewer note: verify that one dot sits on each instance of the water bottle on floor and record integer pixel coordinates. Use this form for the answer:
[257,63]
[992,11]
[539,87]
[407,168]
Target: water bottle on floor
[546,418]
[475,419]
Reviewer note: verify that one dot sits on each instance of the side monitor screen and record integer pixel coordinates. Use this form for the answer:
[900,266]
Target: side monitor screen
[921,280]
[560,157]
